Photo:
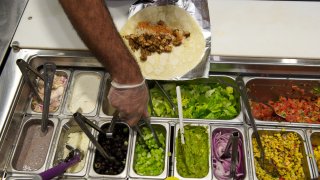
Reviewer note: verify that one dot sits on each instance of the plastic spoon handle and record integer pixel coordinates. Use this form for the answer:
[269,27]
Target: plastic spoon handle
[180,114]
[59,169]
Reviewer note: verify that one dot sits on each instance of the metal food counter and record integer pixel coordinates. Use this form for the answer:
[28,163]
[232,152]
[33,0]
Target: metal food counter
[268,78]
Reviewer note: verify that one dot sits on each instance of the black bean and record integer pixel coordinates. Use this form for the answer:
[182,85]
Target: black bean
[115,147]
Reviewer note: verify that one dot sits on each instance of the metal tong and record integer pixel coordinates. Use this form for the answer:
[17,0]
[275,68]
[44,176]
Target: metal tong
[245,101]
[49,71]
[110,129]
[142,2]
[30,75]
[73,157]
[232,142]
[146,121]
[82,121]
[173,106]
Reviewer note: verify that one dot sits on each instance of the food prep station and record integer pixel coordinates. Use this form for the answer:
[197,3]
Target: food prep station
[266,81]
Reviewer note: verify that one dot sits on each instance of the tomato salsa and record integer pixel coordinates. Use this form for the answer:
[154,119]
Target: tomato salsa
[301,110]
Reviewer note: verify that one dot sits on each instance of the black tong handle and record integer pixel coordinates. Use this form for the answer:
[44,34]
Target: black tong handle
[245,101]
[147,122]
[49,71]
[234,155]
[115,118]
[81,120]
[173,106]
[232,142]
[25,69]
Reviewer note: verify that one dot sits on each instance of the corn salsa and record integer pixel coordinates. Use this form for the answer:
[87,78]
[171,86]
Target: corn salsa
[284,152]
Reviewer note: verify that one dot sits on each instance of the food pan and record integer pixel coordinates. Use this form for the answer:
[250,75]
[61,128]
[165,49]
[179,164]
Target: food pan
[270,131]
[23,177]
[265,89]
[162,105]
[313,140]
[175,171]
[32,151]
[30,178]
[84,92]
[64,73]
[215,128]
[162,127]
[70,129]
[124,173]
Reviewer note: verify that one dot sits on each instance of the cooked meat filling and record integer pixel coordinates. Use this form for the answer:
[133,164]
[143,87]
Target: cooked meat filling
[155,38]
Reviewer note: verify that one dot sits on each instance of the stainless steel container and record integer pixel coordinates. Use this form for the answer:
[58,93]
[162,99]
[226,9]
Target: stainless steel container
[269,130]
[22,177]
[68,126]
[313,140]
[104,94]
[231,128]
[17,96]
[89,98]
[223,81]
[164,127]
[265,89]
[59,72]
[124,173]
[29,146]
[106,110]
[175,172]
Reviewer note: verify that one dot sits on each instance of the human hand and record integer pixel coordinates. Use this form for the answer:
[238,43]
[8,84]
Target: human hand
[131,103]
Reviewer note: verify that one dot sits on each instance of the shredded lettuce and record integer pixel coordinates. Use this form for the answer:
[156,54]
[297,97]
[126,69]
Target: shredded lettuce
[199,101]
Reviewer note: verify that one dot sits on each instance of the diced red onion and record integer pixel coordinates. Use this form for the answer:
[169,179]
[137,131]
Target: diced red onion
[221,167]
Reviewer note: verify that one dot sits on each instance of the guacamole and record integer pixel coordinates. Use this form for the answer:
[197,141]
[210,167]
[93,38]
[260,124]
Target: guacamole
[193,158]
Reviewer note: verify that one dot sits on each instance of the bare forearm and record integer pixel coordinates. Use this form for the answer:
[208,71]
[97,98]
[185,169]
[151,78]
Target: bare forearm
[94,24]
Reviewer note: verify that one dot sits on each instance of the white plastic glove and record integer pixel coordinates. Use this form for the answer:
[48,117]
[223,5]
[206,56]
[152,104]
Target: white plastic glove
[132,103]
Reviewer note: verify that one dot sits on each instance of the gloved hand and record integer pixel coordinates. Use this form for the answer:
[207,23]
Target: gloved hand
[132,103]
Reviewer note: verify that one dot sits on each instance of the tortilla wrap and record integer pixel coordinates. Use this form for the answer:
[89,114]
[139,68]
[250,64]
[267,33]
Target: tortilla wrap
[183,58]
